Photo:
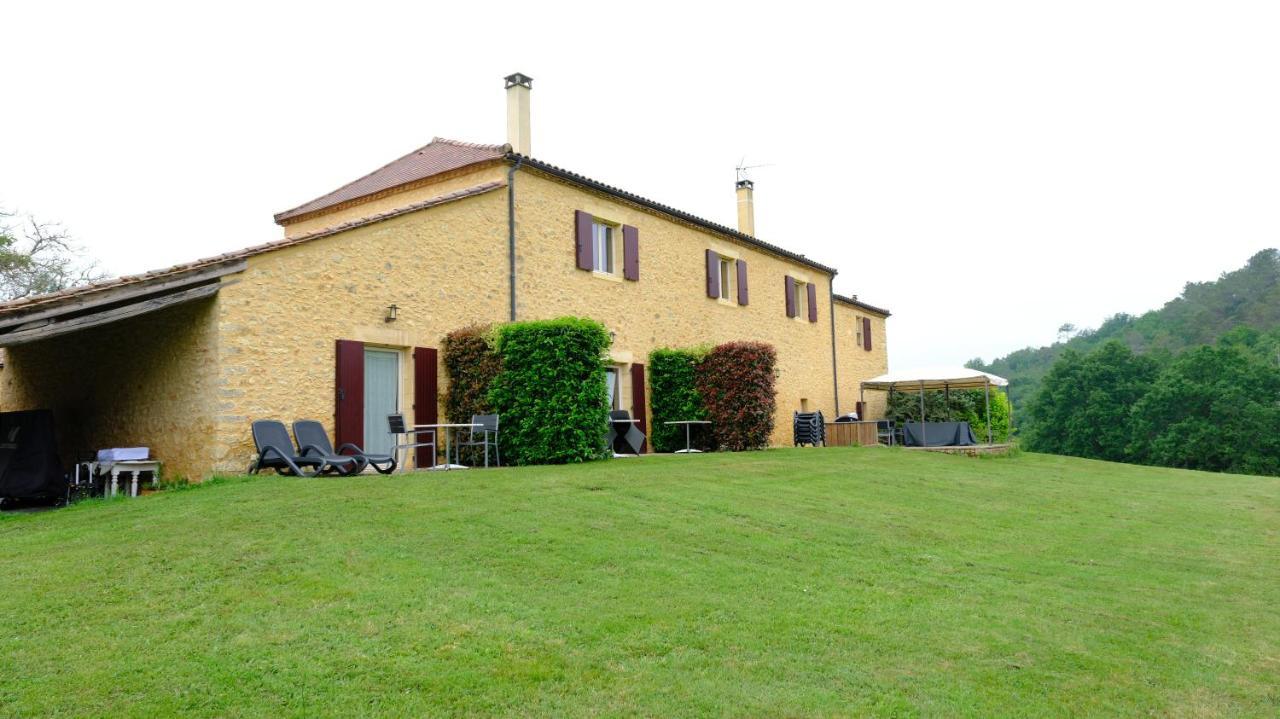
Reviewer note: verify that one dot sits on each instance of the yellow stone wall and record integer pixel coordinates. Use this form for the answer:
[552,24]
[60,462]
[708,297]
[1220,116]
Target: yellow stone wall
[412,193]
[856,364]
[148,381]
[444,267]
[668,306]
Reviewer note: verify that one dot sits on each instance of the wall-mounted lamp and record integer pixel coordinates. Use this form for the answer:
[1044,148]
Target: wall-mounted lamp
[393,311]
[613,336]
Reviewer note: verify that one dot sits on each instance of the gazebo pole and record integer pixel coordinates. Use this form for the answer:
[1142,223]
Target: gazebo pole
[988,412]
[924,433]
[946,390]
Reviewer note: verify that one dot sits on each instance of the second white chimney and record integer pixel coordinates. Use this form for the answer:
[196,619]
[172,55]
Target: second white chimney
[518,87]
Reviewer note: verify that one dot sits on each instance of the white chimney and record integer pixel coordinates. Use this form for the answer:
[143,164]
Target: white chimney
[746,208]
[518,87]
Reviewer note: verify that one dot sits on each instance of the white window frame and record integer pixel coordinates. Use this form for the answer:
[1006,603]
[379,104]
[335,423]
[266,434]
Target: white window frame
[726,277]
[858,326]
[603,247]
[613,379]
[800,287]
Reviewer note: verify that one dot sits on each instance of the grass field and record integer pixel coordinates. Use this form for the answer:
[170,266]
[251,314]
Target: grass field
[783,583]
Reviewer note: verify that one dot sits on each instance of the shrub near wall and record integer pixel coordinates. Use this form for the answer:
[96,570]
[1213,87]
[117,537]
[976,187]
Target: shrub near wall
[673,396]
[551,391]
[736,381]
[471,364]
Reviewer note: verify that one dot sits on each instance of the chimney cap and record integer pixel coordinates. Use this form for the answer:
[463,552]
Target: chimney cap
[746,183]
[518,78]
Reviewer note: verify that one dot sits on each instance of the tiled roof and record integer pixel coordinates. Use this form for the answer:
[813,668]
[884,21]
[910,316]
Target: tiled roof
[440,155]
[68,295]
[863,305]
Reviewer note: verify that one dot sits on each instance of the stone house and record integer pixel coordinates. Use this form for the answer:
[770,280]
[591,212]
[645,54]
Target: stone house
[340,319]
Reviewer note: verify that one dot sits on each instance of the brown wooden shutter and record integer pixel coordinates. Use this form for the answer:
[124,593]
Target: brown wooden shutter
[790,286]
[866,333]
[426,390]
[742,282]
[861,409]
[713,274]
[813,302]
[582,239]
[637,403]
[630,252]
[348,413]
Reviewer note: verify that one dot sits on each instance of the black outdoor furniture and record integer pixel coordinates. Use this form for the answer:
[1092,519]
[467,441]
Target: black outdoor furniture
[623,433]
[937,434]
[885,430]
[29,466]
[808,428]
[276,451]
[400,431]
[314,442]
[485,435]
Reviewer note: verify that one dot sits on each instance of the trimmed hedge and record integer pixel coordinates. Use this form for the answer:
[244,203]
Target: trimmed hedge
[673,395]
[736,381]
[471,365]
[551,391]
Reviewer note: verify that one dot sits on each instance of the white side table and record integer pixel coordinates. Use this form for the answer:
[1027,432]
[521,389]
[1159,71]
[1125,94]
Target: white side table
[132,466]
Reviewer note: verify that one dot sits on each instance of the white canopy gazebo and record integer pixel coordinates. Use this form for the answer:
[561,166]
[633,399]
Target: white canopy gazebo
[943,378]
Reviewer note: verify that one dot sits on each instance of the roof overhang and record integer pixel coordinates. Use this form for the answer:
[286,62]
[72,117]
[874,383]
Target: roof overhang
[93,307]
[935,378]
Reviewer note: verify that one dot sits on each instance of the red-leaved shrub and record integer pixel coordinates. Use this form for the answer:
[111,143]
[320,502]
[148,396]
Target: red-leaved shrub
[736,381]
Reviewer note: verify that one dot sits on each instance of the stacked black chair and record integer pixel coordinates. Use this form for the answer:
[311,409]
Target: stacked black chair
[808,428]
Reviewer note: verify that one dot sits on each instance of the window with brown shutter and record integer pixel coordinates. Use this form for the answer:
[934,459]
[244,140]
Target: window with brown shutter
[790,286]
[866,333]
[813,302]
[630,252]
[713,274]
[742,282]
[583,240]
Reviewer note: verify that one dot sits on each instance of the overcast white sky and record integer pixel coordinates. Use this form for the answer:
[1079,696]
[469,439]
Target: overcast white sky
[986,170]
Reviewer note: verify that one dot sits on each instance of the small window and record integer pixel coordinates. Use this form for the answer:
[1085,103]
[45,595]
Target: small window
[726,278]
[857,323]
[602,247]
[798,288]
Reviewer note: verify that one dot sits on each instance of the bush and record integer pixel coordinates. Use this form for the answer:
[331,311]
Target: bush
[736,381]
[471,365]
[673,395]
[551,391]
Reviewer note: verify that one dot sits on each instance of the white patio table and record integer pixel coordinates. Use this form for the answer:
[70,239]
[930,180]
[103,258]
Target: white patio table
[446,429]
[688,447]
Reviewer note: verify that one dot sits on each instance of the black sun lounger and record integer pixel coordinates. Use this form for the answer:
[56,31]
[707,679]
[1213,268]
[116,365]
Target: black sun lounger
[276,451]
[314,441]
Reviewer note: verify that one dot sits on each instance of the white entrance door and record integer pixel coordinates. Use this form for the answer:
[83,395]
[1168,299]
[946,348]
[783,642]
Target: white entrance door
[381,398]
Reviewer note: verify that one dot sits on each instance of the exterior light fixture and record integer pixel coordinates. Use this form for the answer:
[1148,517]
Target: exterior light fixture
[393,311]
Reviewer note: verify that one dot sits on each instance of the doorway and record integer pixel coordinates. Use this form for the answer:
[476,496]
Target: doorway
[381,397]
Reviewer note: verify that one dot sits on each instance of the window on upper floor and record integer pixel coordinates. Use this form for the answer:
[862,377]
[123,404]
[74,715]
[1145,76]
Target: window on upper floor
[726,278]
[602,250]
[857,325]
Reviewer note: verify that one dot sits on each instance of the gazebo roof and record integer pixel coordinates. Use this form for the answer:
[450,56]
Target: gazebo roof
[935,378]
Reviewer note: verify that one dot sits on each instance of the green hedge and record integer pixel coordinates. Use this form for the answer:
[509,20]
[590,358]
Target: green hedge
[471,366]
[673,395]
[551,391]
[736,381]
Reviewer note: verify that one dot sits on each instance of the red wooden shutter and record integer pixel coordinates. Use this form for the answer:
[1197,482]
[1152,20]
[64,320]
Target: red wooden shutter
[813,302]
[425,397]
[348,412]
[582,238]
[713,274]
[790,285]
[742,282]
[866,333]
[637,402]
[630,252]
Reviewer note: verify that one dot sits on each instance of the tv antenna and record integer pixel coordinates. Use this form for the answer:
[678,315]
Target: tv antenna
[743,167]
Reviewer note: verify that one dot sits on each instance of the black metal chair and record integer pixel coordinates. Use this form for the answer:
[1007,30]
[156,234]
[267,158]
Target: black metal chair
[276,451]
[400,431]
[486,435]
[623,429]
[314,442]
[885,430]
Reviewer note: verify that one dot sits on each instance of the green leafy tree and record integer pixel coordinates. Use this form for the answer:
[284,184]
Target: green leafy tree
[1213,408]
[37,258]
[1085,402]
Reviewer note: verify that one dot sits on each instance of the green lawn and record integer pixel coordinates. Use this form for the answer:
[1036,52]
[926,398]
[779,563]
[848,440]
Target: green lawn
[783,583]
